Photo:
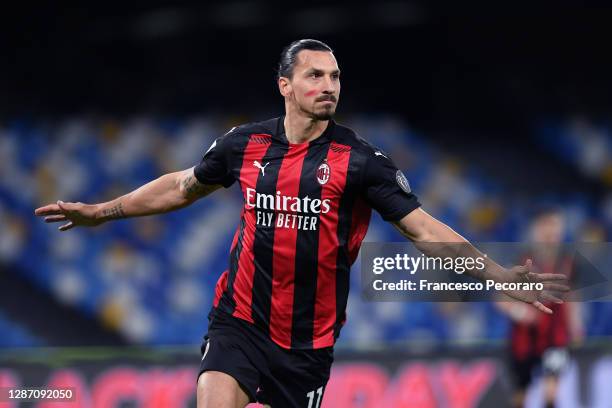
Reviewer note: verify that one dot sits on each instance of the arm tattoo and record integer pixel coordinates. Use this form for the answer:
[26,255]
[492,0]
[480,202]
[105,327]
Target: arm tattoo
[192,187]
[113,213]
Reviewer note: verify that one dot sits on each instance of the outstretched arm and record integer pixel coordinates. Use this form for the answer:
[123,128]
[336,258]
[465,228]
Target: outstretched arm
[430,236]
[167,193]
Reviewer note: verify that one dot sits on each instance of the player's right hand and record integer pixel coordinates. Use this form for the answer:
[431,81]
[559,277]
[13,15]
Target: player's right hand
[77,214]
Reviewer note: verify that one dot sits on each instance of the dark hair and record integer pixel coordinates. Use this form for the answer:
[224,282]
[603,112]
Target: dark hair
[290,52]
[545,209]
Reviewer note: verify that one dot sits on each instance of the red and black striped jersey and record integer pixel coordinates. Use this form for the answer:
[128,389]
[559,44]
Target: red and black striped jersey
[549,330]
[306,210]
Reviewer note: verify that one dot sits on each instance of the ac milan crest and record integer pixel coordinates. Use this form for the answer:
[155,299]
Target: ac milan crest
[323,173]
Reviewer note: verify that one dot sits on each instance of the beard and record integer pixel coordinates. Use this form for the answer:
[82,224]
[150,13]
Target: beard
[320,113]
[326,113]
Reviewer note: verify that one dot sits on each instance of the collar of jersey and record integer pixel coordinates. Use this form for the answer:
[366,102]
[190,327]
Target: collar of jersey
[325,137]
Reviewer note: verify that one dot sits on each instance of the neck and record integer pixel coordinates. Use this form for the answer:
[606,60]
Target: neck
[302,129]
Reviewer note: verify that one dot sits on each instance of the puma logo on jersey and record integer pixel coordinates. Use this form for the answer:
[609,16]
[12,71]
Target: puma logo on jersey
[206,350]
[260,167]
[212,146]
[377,153]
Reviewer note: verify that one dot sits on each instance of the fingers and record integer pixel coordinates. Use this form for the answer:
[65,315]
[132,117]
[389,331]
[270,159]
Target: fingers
[58,212]
[548,297]
[66,226]
[524,269]
[521,270]
[556,287]
[546,277]
[65,206]
[538,305]
[59,207]
[55,218]
[50,209]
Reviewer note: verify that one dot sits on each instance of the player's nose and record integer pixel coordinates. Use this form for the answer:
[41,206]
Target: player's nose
[329,86]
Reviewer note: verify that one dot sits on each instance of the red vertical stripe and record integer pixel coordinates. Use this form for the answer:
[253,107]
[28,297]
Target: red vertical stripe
[544,325]
[325,301]
[521,341]
[560,335]
[285,239]
[243,283]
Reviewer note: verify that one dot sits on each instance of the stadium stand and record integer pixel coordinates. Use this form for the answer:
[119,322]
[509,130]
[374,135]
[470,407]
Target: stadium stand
[152,279]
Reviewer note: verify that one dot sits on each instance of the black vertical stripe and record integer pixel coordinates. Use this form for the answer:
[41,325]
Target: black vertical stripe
[227,302]
[263,244]
[306,256]
[345,218]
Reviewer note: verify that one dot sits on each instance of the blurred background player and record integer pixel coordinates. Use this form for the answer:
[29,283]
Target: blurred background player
[539,343]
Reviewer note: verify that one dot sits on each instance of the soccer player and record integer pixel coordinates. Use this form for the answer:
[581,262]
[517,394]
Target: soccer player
[540,342]
[309,185]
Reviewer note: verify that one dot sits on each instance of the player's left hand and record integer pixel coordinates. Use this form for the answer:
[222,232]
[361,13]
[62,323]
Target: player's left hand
[553,284]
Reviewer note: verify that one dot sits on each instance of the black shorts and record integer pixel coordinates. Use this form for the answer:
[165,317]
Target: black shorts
[552,362]
[268,373]
[523,370]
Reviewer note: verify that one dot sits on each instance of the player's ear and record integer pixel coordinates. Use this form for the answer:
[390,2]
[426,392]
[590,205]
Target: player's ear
[284,86]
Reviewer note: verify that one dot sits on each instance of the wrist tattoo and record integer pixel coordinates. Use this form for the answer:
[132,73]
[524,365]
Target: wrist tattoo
[113,213]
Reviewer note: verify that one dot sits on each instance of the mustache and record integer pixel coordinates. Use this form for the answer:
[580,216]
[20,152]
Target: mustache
[330,98]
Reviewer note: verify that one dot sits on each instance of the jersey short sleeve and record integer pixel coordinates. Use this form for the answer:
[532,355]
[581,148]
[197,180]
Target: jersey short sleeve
[386,189]
[215,166]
